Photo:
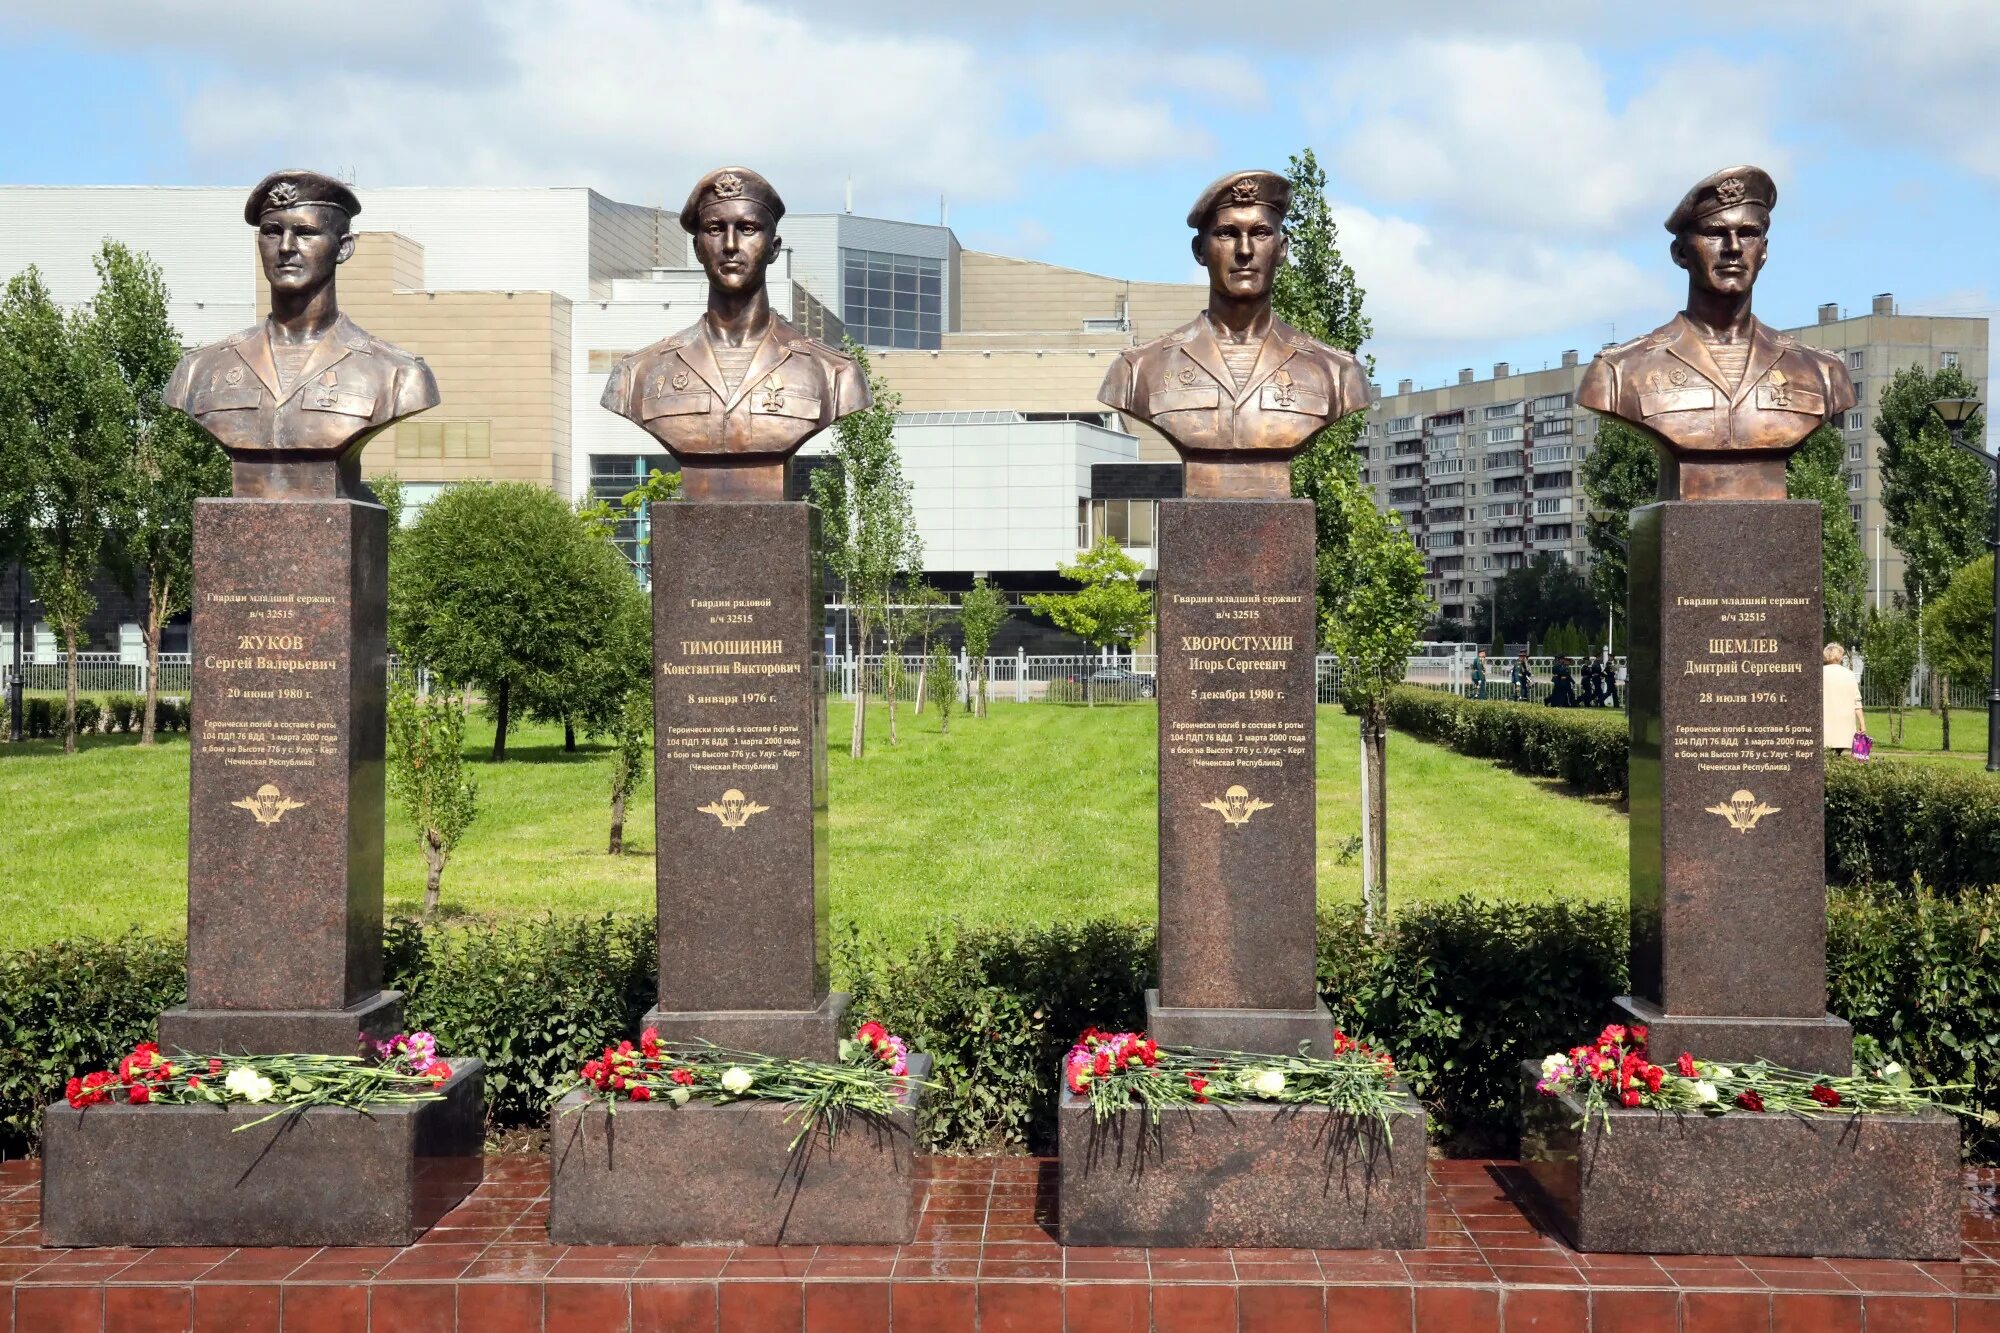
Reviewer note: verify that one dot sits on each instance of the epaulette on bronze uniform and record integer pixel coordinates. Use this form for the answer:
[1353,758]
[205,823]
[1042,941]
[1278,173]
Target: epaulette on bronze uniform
[676,340]
[235,338]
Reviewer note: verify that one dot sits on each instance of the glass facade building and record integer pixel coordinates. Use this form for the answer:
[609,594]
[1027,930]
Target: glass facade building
[892,300]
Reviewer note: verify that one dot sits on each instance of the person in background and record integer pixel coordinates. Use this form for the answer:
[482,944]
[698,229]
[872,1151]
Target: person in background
[1479,675]
[1562,686]
[1614,676]
[1593,683]
[1522,679]
[1840,706]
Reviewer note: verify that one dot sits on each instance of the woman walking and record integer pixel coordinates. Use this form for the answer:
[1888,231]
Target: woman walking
[1841,719]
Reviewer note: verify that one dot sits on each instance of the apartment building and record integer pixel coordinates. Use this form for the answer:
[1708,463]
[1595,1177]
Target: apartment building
[1487,472]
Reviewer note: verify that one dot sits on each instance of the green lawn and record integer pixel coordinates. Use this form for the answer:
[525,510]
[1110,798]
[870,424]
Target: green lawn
[1923,733]
[1037,813]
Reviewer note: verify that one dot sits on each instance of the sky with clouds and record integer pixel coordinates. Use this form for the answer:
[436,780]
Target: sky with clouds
[1500,170]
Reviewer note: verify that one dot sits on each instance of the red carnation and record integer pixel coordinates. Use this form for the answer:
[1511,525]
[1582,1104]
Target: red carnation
[194,1080]
[1638,1034]
[1629,1097]
[439,1072]
[1613,1035]
[684,1077]
[1654,1077]
[73,1092]
[641,1093]
[214,1068]
[1749,1100]
[1101,1066]
[1686,1065]
[140,1095]
[1197,1085]
[1825,1096]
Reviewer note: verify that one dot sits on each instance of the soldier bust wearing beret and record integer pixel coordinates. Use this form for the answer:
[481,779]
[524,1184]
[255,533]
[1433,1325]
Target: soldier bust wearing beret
[735,394]
[294,400]
[1237,390]
[1725,397]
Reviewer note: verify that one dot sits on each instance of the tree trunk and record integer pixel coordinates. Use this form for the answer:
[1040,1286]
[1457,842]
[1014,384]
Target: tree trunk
[1944,704]
[618,824]
[982,687]
[923,682]
[892,692]
[69,716]
[1374,754]
[569,735]
[860,733]
[156,601]
[500,727]
[944,717]
[434,857]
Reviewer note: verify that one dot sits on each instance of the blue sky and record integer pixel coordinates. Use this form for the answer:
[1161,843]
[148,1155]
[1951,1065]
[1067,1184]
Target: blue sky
[1500,170]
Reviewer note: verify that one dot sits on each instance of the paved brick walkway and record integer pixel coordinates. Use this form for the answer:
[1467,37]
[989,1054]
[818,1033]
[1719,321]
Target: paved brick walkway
[985,1258]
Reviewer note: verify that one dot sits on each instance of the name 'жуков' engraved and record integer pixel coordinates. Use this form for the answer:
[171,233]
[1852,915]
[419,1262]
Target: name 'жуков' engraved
[268,662]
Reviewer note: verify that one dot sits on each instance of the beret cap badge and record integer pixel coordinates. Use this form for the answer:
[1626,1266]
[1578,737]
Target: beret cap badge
[1731,190]
[283,195]
[728,185]
[1244,191]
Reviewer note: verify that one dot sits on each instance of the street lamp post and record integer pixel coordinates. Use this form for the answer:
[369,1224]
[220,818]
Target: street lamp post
[1956,414]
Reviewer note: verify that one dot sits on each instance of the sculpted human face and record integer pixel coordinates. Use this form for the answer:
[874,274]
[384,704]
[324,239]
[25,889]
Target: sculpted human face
[736,242]
[301,246]
[1724,252]
[1242,248]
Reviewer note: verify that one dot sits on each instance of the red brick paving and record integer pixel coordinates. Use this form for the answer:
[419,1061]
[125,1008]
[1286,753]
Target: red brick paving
[985,1258]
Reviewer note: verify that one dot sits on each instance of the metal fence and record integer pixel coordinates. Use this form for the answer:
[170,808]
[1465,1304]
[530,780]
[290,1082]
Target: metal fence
[99,673]
[1917,693]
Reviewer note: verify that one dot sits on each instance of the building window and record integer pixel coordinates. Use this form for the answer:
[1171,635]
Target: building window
[1950,361]
[1854,419]
[1854,359]
[1499,411]
[1854,512]
[612,477]
[1554,426]
[1854,449]
[1854,481]
[1399,424]
[444,439]
[892,300]
[1128,522]
[1550,403]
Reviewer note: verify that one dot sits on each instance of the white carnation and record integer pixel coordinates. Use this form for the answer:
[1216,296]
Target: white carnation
[736,1079]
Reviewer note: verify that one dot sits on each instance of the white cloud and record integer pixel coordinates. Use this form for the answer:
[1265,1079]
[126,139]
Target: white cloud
[1424,286]
[1524,135]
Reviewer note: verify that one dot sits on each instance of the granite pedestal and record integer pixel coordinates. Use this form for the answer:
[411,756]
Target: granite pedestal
[739,711]
[1254,1175]
[189,1175]
[656,1173]
[1727,786]
[285,804]
[1837,1186]
[1237,633]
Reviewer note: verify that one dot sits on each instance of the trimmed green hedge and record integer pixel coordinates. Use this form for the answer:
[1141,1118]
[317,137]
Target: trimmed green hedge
[1459,991]
[1584,747]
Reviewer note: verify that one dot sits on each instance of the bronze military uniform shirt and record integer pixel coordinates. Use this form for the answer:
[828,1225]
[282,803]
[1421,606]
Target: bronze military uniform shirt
[351,385]
[1182,385]
[1669,384]
[793,387]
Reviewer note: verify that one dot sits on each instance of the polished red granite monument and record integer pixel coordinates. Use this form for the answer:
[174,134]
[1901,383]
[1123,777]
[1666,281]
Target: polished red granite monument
[1728,876]
[285,807]
[1239,393]
[739,711]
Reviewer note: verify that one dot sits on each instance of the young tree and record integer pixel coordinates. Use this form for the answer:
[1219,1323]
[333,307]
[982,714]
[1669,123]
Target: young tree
[1936,498]
[981,613]
[1316,293]
[1958,628]
[61,407]
[1621,472]
[868,527]
[930,612]
[588,692]
[504,586]
[1818,471]
[1108,608]
[628,758]
[427,774]
[938,670]
[173,461]
[898,619]
[1889,653]
[1378,615]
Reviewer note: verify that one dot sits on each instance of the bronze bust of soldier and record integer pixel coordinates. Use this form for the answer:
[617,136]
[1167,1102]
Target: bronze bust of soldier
[294,400]
[1237,390]
[1725,397]
[733,396]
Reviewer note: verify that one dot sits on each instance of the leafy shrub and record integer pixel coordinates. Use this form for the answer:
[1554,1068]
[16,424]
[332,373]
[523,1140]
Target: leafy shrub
[40,717]
[123,713]
[170,715]
[534,999]
[72,1006]
[1920,975]
[88,714]
[1586,749]
[1912,824]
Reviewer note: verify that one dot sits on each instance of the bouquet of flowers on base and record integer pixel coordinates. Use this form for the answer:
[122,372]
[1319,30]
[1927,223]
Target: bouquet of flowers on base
[869,1077]
[1616,1071]
[406,1068]
[1118,1071]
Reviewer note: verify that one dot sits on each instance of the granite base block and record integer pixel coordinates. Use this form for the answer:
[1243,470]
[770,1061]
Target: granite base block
[1253,1175]
[654,1173]
[791,1034]
[188,1175]
[1265,1031]
[1838,1186]
[1823,1045]
[282,1032]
